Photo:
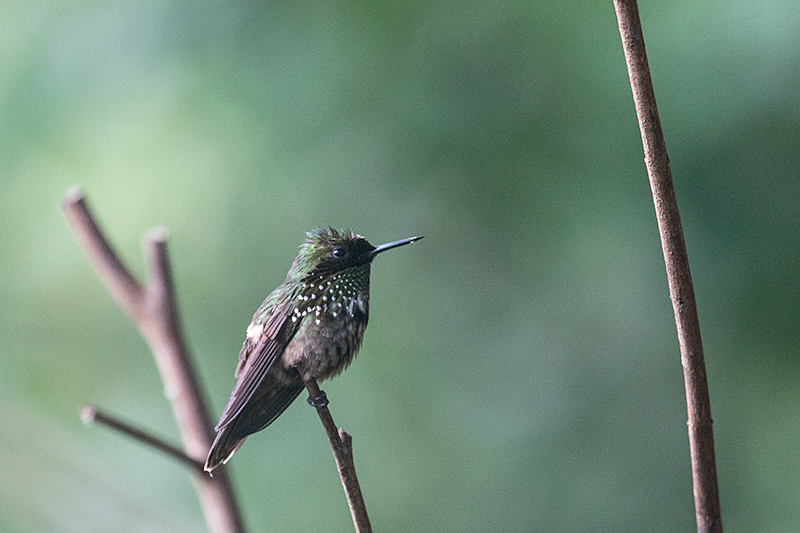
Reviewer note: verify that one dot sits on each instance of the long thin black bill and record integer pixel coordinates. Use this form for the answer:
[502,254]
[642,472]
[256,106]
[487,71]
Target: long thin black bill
[395,244]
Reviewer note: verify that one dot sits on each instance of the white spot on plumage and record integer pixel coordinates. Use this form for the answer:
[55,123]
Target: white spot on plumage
[254,330]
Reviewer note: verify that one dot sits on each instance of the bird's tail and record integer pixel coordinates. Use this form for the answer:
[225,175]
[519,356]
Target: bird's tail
[266,404]
[225,445]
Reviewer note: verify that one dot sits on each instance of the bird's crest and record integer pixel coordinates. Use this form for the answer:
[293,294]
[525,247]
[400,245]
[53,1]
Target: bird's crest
[326,251]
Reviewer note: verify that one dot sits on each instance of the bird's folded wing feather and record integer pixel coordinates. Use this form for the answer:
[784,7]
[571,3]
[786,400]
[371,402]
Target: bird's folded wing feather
[258,357]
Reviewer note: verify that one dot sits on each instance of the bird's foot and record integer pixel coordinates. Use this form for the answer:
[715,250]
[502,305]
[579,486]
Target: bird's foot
[318,401]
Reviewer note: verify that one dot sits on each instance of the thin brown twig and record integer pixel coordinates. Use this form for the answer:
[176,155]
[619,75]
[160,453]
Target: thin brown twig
[701,435]
[154,311]
[342,446]
[91,414]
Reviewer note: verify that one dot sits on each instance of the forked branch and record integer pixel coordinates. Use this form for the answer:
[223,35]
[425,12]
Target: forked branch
[342,446]
[154,311]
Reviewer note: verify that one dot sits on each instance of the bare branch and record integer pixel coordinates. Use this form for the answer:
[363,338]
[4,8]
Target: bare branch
[119,281]
[342,445]
[90,414]
[701,435]
[154,311]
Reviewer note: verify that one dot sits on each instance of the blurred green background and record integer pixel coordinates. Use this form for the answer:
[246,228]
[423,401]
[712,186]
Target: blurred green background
[521,370]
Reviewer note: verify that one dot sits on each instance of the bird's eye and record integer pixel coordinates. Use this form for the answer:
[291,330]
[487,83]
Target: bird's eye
[338,253]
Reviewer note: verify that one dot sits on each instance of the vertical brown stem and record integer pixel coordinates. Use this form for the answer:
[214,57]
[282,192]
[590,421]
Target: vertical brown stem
[701,435]
[342,446]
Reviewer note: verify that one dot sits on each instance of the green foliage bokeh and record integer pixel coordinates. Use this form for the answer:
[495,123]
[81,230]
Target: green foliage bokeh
[521,368]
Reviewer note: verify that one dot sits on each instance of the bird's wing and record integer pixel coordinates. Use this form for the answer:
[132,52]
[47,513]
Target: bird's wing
[258,355]
[269,406]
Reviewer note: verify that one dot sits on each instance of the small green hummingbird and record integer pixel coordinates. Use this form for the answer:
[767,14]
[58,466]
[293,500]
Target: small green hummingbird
[312,323]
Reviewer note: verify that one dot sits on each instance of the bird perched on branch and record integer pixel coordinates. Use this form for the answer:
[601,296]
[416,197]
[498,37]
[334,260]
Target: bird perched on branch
[312,323]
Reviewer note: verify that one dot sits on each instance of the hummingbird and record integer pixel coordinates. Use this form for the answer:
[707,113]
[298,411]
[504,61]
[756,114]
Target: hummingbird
[311,325]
